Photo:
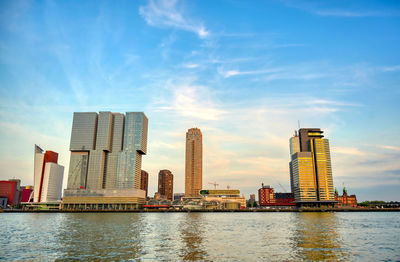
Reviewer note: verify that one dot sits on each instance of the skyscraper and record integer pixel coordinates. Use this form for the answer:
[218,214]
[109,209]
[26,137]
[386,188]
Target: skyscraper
[194,162]
[166,184]
[311,171]
[48,176]
[106,154]
[294,144]
[144,181]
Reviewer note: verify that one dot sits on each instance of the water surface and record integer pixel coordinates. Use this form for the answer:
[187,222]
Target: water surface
[201,236]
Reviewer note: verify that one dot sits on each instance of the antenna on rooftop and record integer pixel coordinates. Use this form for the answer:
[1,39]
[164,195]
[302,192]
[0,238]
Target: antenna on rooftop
[298,123]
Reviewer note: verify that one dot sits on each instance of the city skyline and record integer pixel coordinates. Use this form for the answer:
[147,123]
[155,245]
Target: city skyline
[244,76]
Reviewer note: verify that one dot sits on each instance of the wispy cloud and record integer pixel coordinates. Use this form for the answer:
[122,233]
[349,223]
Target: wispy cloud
[391,68]
[345,13]
[319,8]
[168,13]
[348,151]
[394,148]
[230,73]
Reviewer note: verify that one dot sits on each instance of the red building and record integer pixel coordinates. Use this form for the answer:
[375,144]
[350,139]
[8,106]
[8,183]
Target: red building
[144,181]
[166,184]
[9,190]
[267,197]
[345,199]
[26,193]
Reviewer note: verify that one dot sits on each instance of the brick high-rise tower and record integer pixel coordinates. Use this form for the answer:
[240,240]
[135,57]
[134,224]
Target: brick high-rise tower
[166,184]
[194,162]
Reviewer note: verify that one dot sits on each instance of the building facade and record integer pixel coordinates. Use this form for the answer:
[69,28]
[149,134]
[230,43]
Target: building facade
[144,181]
[345,200]
[222,199]
[265,195]
[106,160]
[9,191]
[310,168]
[166,184]
[194,162]
[48,176]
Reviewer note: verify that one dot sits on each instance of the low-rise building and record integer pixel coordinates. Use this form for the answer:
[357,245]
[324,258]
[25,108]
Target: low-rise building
[226,198]
[345,199]
[267,197]
[9,190]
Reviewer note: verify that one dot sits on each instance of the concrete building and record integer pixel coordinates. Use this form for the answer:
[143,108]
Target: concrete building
[48,176]
[106,160]
[144,181]
[194,162]
[166,184]
[310,169]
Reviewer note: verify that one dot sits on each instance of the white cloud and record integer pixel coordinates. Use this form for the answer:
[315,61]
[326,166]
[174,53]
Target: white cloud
[391,68]
[318,8]
[191,66]
[191,101]
[394,148]
[167,13]
[344,13]
[347,151]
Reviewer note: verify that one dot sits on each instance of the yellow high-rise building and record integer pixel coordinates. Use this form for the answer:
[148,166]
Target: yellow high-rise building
[311,170]
[194,162]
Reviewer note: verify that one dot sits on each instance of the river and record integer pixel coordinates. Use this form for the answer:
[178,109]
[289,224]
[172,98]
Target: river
[277,236]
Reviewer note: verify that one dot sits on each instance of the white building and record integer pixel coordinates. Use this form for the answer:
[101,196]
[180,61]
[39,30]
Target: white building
[48,176]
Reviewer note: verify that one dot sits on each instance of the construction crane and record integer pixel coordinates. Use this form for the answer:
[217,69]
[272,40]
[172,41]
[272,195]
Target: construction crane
[215,184]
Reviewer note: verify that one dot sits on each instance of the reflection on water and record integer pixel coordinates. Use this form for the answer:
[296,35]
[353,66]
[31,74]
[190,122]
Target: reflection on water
[316,237]
[99,236]
[191,233]
[201,236]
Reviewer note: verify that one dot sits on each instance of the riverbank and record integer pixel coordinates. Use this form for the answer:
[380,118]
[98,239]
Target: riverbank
[209,211]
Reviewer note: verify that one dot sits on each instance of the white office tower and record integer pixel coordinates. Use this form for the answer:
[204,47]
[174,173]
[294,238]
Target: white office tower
[48,176]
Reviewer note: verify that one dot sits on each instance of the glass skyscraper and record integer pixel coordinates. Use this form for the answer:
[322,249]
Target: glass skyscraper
[106,152]
[310,168]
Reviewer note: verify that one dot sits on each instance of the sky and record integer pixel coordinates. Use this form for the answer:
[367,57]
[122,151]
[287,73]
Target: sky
[247,73]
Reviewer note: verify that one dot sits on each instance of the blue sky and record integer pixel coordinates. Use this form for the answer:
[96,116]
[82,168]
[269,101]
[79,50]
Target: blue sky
[243,72]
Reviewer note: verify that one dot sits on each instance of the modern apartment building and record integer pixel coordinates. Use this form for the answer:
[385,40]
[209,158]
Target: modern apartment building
[194,162]
[106,158]
[310,168]
[166,184]
[48,176]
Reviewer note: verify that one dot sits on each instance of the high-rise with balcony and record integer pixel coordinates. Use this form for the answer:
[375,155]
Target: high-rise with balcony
[106,158]
[310,168]
[194,163]
[166,184]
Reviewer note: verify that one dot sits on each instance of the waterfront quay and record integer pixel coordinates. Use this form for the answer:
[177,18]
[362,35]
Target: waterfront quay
[207,210]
